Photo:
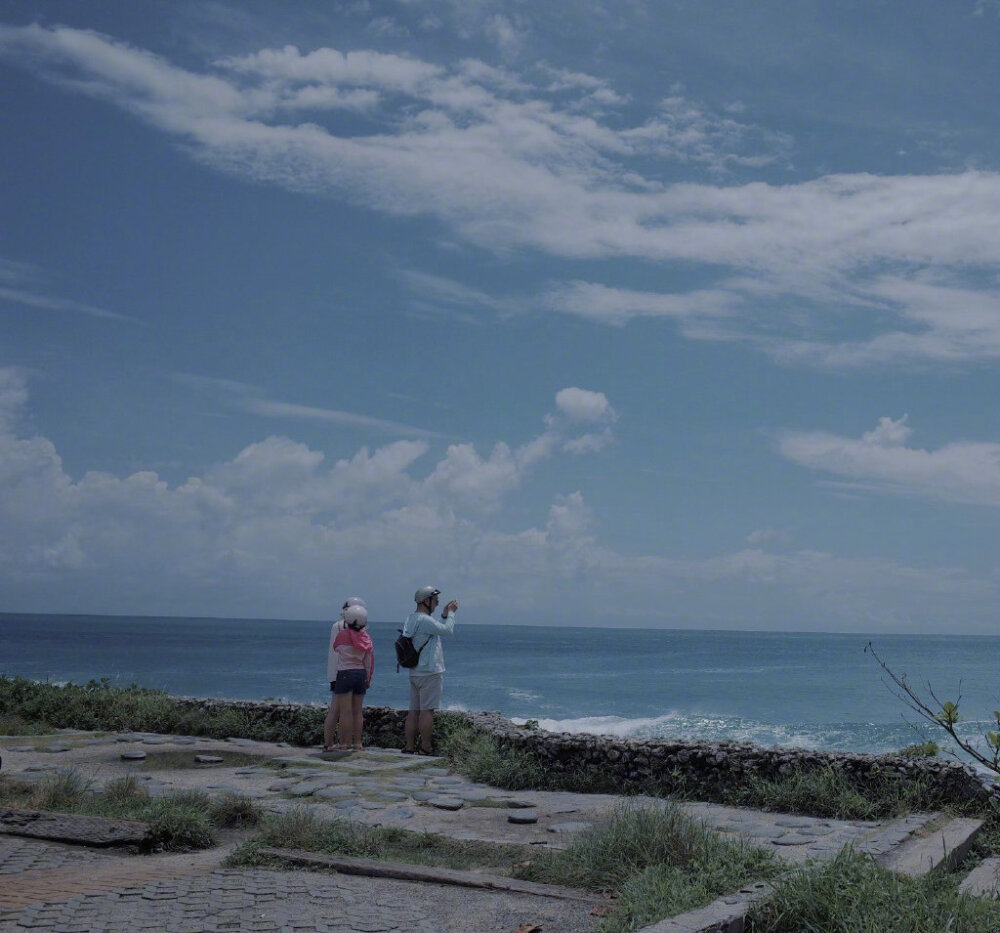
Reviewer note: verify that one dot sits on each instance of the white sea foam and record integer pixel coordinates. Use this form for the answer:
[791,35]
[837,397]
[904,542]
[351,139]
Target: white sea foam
[523,695]
[706,727]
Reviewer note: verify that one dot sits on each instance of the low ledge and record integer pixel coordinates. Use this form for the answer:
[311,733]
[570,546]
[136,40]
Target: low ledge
[94,831]
[405,871]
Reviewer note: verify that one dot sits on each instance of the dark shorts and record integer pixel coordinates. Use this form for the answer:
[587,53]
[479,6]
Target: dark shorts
[353,681]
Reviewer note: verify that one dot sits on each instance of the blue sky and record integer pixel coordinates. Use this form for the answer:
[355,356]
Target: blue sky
[677,313]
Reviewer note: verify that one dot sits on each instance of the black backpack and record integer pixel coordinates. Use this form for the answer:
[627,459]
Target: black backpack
[407,654]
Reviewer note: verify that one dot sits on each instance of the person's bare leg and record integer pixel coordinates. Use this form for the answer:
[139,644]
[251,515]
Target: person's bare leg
[346,721]
[426,725]
[359,719]
[410,730]
[330,724]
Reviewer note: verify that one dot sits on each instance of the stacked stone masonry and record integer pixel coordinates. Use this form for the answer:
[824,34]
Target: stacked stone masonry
[640,765]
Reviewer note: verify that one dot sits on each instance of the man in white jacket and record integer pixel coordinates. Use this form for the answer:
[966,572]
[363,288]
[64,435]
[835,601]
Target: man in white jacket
[427,678]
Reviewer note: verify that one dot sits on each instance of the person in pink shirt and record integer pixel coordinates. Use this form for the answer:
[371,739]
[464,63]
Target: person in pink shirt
[355,667]
[332,663]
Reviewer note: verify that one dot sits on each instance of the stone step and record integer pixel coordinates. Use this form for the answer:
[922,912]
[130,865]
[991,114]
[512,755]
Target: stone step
[944,845]
[984,880]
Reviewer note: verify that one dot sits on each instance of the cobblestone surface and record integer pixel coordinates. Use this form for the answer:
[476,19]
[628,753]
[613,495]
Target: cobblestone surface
[19,855]
[267,901]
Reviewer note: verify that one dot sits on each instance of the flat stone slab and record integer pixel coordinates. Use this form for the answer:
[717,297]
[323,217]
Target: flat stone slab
[522,817]
[209,759]
[133,756]
[983,880]
[945,845]
[66,827]
[447,803]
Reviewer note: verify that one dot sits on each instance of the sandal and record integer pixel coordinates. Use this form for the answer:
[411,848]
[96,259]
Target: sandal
[423,752]
[408,751]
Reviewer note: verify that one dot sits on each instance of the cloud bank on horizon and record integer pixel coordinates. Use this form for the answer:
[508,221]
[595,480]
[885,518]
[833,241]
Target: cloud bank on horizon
[717,305]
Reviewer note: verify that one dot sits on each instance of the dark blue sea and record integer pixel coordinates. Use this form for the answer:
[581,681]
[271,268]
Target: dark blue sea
[808,690]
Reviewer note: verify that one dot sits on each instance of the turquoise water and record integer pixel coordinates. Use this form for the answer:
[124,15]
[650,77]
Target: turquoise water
[809,690]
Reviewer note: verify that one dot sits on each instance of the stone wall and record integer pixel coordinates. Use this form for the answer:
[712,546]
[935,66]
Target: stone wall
[647,764]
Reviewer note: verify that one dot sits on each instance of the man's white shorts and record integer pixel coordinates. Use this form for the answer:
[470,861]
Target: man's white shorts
[425,691]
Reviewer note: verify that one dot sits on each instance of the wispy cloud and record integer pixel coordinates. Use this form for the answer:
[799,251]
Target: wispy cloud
[251,399]
[23,284]
[514,163]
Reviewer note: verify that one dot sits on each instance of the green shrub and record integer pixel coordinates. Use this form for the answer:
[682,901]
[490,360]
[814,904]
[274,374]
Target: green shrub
[234,811]
[181,822]
[852,893]
[828,792]
[926,749]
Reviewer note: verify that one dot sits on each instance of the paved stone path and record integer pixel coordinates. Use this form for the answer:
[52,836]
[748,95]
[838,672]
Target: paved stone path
[64,888]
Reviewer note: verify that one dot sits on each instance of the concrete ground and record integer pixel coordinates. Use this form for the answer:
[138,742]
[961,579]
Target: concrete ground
[45,885]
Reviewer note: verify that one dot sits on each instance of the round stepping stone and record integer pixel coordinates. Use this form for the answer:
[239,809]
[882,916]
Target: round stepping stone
[208,759]
[279,787]
[516,804]
[346,804]
[305,789]
[245,743]
[371,805]
[572,826]
[473,796]
[43,767]
[423,795]
[55,748]
[185,740]
[794,839]
[447,803]
[399,813]
[155,740]
[127,737]
[20,748]
[133,756]
[523,817]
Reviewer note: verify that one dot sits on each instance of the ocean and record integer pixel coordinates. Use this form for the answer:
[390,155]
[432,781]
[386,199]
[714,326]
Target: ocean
[817,691]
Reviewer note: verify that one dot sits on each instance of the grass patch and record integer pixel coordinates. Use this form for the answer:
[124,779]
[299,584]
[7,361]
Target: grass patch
[302,828]
[480,757]
[852,893]
[15,724]
[658,862]
[178,822]
[827,792]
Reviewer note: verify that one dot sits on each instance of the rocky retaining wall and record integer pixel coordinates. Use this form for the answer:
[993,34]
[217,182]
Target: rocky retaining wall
[647,764]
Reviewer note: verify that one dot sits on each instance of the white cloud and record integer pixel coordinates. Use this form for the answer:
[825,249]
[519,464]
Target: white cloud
[964,472]
[584,405]
[280,531]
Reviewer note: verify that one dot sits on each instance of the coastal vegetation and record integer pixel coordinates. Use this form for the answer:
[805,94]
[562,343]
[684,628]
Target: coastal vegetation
[177,822]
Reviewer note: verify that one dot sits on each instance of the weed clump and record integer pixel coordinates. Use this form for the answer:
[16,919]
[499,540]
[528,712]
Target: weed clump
[852,893]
